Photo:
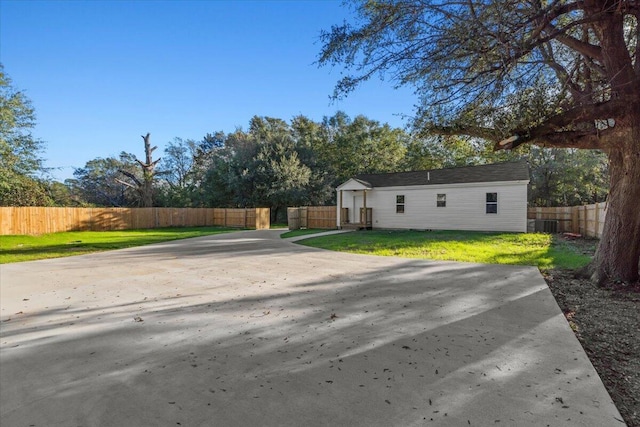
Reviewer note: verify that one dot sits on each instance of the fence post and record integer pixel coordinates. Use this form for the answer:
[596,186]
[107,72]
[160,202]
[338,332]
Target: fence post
[596,225]
[293,218]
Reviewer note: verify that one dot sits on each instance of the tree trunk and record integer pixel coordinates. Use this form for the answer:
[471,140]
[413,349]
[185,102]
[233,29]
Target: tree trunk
[148,173]
[618,253]
[147,193]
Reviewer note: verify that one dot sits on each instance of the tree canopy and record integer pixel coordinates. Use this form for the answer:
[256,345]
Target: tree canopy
[554,73]
[98,182]
[20,161]
[277,164]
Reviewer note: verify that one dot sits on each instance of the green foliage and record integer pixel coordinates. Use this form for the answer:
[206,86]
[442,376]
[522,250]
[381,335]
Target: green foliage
[567,177]
[278,164]
[60,194]
[177,162]
[20,160]
[443,152]
[177,174]
[21,190]
[497,68]
[351,147]
[272,164]
[97,183]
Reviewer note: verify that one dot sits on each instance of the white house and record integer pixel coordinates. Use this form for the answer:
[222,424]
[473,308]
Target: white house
[483,198]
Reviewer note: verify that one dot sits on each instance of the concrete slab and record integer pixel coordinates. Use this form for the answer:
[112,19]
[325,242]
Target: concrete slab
[248,329]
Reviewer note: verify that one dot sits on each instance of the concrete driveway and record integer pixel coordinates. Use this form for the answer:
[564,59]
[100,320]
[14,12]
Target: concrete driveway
[246,329]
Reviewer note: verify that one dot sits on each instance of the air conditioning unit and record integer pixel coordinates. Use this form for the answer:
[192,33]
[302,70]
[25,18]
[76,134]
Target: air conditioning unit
[546,226]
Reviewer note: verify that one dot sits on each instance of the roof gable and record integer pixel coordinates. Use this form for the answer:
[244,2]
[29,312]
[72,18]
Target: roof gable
[355,184]
[511,171]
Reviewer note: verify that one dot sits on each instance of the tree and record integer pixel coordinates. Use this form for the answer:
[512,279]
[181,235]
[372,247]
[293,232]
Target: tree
[177,173]
[280,178]
[20,160]
[98,182]
[143,185]
[562,74]
[272,164]
[567,177]
[360,145]
[309,140]
[60,194]
[178,161]
[437,152]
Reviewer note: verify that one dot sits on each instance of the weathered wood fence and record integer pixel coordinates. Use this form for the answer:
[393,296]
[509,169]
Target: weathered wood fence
[41,220]
[587,220]
[312,217]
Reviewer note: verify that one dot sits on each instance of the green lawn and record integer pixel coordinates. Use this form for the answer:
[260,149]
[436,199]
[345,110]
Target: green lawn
[301,232]
[55,245]
[541,250]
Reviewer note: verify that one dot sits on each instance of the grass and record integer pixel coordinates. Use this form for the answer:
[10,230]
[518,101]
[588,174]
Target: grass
[541,250]
[301,232]
[55,245]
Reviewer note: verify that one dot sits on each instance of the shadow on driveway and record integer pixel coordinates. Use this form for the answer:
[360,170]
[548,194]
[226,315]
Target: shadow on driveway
[246,329]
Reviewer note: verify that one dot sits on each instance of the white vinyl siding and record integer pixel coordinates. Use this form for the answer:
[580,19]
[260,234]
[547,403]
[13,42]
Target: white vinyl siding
[465,207]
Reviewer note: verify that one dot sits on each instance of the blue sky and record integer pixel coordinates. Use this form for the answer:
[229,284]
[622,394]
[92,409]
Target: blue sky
[102,73]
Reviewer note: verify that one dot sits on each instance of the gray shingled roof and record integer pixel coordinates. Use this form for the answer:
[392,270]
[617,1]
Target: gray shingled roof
[511,171]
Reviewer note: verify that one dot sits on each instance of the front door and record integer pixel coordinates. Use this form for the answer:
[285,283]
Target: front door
[354,215]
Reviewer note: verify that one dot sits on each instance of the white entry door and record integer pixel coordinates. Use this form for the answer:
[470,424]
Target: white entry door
[358,202]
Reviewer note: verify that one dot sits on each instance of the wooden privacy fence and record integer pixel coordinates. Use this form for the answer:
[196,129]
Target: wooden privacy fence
[41,220]
[587,220]
[312,217]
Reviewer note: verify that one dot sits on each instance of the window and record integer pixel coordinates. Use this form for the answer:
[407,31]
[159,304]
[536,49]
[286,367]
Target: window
[441,201]
[399,204]
[492,203]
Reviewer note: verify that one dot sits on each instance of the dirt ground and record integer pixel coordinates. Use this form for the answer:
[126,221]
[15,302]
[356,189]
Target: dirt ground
[607,323]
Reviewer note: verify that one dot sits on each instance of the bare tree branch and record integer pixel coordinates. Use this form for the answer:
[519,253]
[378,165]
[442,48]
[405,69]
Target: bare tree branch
[592,139]
[131,176]
[126,183]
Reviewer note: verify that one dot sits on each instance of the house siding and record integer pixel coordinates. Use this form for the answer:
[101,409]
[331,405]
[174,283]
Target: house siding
[465,207]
